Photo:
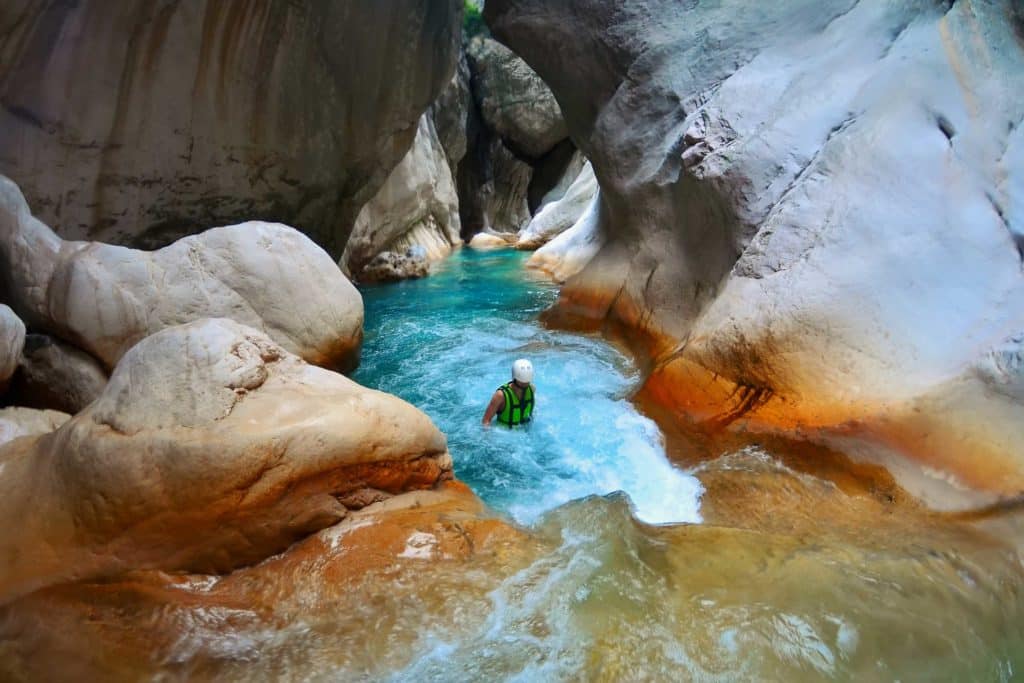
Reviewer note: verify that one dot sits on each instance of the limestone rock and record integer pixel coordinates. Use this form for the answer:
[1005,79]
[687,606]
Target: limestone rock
[104,298]
[809,207]
[137,123]
[451,112]
[504,194]
[388,266]
[486,240]
[416,207]
[374,562]
[12,340]
[267,450]
[558,216]
[513,99]
[18,422]
[569,252]
[55,375]
[566,170]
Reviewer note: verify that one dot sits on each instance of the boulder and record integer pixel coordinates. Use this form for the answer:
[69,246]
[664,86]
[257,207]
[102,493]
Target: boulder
[417,206]
[138,123]
[104,298]
[561,214]
[486,240]
[12,340]
[809,209]
[55,375]
[17,422]
[513,99]
[388,266]
[267,450]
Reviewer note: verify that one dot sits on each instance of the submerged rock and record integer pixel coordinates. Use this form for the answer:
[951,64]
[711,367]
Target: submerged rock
[267,450]
[808,207]
[137,123]
[12,340]
[104,298]
[406,565]
[55,375]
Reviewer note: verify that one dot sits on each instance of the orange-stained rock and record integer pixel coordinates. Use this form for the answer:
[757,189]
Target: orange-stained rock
[348,599]
[960,432]
[211,447]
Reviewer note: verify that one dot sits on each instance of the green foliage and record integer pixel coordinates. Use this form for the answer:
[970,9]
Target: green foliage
[472,21]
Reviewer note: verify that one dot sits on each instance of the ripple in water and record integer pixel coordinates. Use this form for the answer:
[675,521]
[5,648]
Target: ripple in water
[447,342]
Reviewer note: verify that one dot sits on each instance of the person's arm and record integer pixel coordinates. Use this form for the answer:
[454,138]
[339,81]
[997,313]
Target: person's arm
[496,405]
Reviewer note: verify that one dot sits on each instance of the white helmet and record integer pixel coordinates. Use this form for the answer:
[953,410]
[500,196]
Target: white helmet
[522,371]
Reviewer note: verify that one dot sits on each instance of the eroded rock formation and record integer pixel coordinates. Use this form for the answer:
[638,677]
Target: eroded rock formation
[811,209]
[416,210]
[513,100]
[104,298]
[12,340]
[267,450]
[560,214]
[138,123]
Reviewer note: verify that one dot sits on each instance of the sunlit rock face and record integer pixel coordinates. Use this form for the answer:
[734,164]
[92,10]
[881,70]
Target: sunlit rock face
[104,298]
[12,340]
[812,211]
[267,450]
[138,123]
[417,209]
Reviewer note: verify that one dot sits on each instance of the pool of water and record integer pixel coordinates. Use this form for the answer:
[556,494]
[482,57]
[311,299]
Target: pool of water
[790,577]
[446,342]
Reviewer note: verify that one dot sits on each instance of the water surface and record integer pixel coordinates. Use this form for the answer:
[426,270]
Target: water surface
[445,343]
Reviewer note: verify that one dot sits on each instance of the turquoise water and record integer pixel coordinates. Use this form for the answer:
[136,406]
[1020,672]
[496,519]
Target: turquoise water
[446,342]
[795,579]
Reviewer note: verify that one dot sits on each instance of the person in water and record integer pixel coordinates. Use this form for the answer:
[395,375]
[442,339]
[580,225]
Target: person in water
[513,402]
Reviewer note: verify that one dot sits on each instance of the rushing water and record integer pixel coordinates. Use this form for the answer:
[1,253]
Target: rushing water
[445,343]
[793,578]
[764,562]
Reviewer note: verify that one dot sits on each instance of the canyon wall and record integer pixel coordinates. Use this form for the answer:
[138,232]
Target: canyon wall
[811,213]
[137,122]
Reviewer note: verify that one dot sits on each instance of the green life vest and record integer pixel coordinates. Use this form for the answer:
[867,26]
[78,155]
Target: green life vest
[516,412]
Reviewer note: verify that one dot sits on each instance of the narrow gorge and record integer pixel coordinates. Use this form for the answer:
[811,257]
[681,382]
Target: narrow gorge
[263,265]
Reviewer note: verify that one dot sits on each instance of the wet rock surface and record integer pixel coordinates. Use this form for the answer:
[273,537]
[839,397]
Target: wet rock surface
[795,240]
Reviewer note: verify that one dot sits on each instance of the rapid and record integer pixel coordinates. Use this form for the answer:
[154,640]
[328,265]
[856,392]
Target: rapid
[745,566]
